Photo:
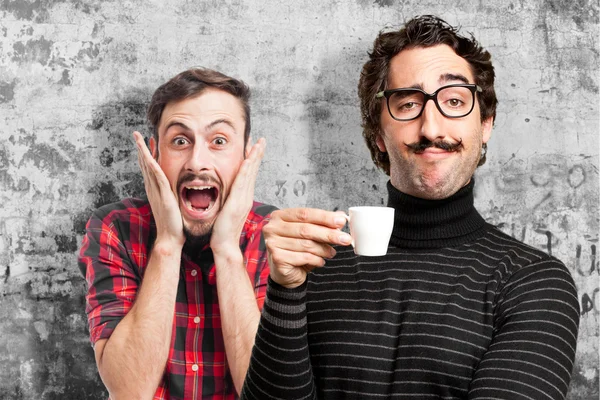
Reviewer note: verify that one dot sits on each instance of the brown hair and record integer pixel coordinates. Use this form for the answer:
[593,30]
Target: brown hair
[192,83]
[422,31]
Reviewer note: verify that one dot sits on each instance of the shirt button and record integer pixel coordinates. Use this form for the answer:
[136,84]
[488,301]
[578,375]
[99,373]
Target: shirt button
[197,320]
[194,272]
[195,367]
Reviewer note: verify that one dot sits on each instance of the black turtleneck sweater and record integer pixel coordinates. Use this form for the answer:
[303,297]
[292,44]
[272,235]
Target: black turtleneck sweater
[455,310]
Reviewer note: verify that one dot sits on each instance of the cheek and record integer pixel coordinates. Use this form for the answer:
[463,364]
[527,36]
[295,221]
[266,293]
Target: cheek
[171,166]
[396,134]
[228,167]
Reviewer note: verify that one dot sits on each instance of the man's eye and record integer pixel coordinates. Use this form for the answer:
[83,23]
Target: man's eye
[455,103]
[180,141]
[408,106]
[220,141]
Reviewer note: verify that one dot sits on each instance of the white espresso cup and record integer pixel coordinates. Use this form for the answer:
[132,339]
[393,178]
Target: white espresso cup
[371,229]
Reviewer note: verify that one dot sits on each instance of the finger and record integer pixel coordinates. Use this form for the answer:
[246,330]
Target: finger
[149,179]
[141,146]
[301,245]
[152,167]
[283,260]
[318,233]
[332,219]
[257,149]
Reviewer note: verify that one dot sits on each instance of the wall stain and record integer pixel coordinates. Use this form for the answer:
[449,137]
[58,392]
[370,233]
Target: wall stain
[378,3]
[45,157]
[4,161]
[104,193]
[44,352]
[7,91]
[65,78]
[126,53]
[127,113]
[89,54]
[80,220]
[318,112]
[34,50]
[27,10]
[116,121]
[587,82]
[133,184]
[38,10]
[66,243]
[106,157]
[23,185]
[384,3]
[580,11]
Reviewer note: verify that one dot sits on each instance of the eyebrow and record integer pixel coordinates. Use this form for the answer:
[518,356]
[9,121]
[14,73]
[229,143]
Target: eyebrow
[452,77]
[444,78]
[179,124]
[207,127]
[220,121]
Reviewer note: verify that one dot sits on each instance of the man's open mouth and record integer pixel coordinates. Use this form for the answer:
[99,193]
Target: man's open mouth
[199,198]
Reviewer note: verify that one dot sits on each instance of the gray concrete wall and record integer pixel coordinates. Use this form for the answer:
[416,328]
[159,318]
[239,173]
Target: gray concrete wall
[75,77]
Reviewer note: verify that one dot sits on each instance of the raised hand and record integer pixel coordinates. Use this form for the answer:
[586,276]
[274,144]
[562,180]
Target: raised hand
[299,240]
[230,222]
[165,208]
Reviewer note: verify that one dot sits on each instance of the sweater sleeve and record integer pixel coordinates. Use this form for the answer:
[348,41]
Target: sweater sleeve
[533,346]
[280,363]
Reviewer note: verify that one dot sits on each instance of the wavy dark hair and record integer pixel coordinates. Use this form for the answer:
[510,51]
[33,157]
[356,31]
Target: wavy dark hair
[192,83]
[421,31]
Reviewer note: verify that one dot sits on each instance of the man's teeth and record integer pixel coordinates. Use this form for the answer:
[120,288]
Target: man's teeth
[198,187]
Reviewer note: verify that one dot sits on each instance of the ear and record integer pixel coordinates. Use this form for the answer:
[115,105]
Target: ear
[486,127]
[380,143]
[153,148]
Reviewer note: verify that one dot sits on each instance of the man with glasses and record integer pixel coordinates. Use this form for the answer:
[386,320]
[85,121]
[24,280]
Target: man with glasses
[455,309]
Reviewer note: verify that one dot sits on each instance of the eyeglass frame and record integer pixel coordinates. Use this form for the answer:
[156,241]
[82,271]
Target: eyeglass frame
[427,96]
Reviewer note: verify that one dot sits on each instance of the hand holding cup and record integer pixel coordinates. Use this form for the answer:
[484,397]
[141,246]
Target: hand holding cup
[299,240]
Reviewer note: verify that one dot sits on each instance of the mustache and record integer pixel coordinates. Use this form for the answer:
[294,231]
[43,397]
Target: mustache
[189,177]
[424,143]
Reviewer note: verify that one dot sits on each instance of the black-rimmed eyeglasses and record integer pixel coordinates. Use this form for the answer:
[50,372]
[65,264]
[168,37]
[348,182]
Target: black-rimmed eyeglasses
[453,101]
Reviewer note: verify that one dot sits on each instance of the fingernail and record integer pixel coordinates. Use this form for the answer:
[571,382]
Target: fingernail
[345,238]
[339,220]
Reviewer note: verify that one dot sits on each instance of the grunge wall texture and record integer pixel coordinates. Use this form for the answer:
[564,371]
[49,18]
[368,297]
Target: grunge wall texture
[75,78]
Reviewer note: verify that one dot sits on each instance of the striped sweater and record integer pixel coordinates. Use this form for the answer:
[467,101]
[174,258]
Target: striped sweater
[455,310]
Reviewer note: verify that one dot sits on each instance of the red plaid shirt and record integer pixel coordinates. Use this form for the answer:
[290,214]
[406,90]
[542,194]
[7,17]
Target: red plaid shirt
[113,258]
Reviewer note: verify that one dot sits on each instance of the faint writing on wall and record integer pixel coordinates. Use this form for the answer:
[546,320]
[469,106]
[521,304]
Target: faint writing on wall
[298,188]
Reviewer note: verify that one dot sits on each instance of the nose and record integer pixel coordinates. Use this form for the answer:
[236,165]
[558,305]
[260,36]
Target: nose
[200,158]
[432,122]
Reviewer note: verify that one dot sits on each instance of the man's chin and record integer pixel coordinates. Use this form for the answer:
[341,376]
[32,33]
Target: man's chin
[197,237]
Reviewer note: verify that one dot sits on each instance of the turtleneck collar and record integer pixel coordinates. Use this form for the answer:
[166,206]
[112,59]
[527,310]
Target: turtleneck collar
[421,223]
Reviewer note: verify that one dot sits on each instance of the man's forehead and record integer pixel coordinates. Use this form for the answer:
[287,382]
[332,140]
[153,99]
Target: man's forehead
[420,65]
[211,107]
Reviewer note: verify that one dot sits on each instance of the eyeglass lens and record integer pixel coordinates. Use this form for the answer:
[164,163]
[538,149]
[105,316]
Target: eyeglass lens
[454,101]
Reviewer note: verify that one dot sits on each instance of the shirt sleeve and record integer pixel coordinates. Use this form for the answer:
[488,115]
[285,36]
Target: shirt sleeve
[112,281]
[280,363]
[532,351]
